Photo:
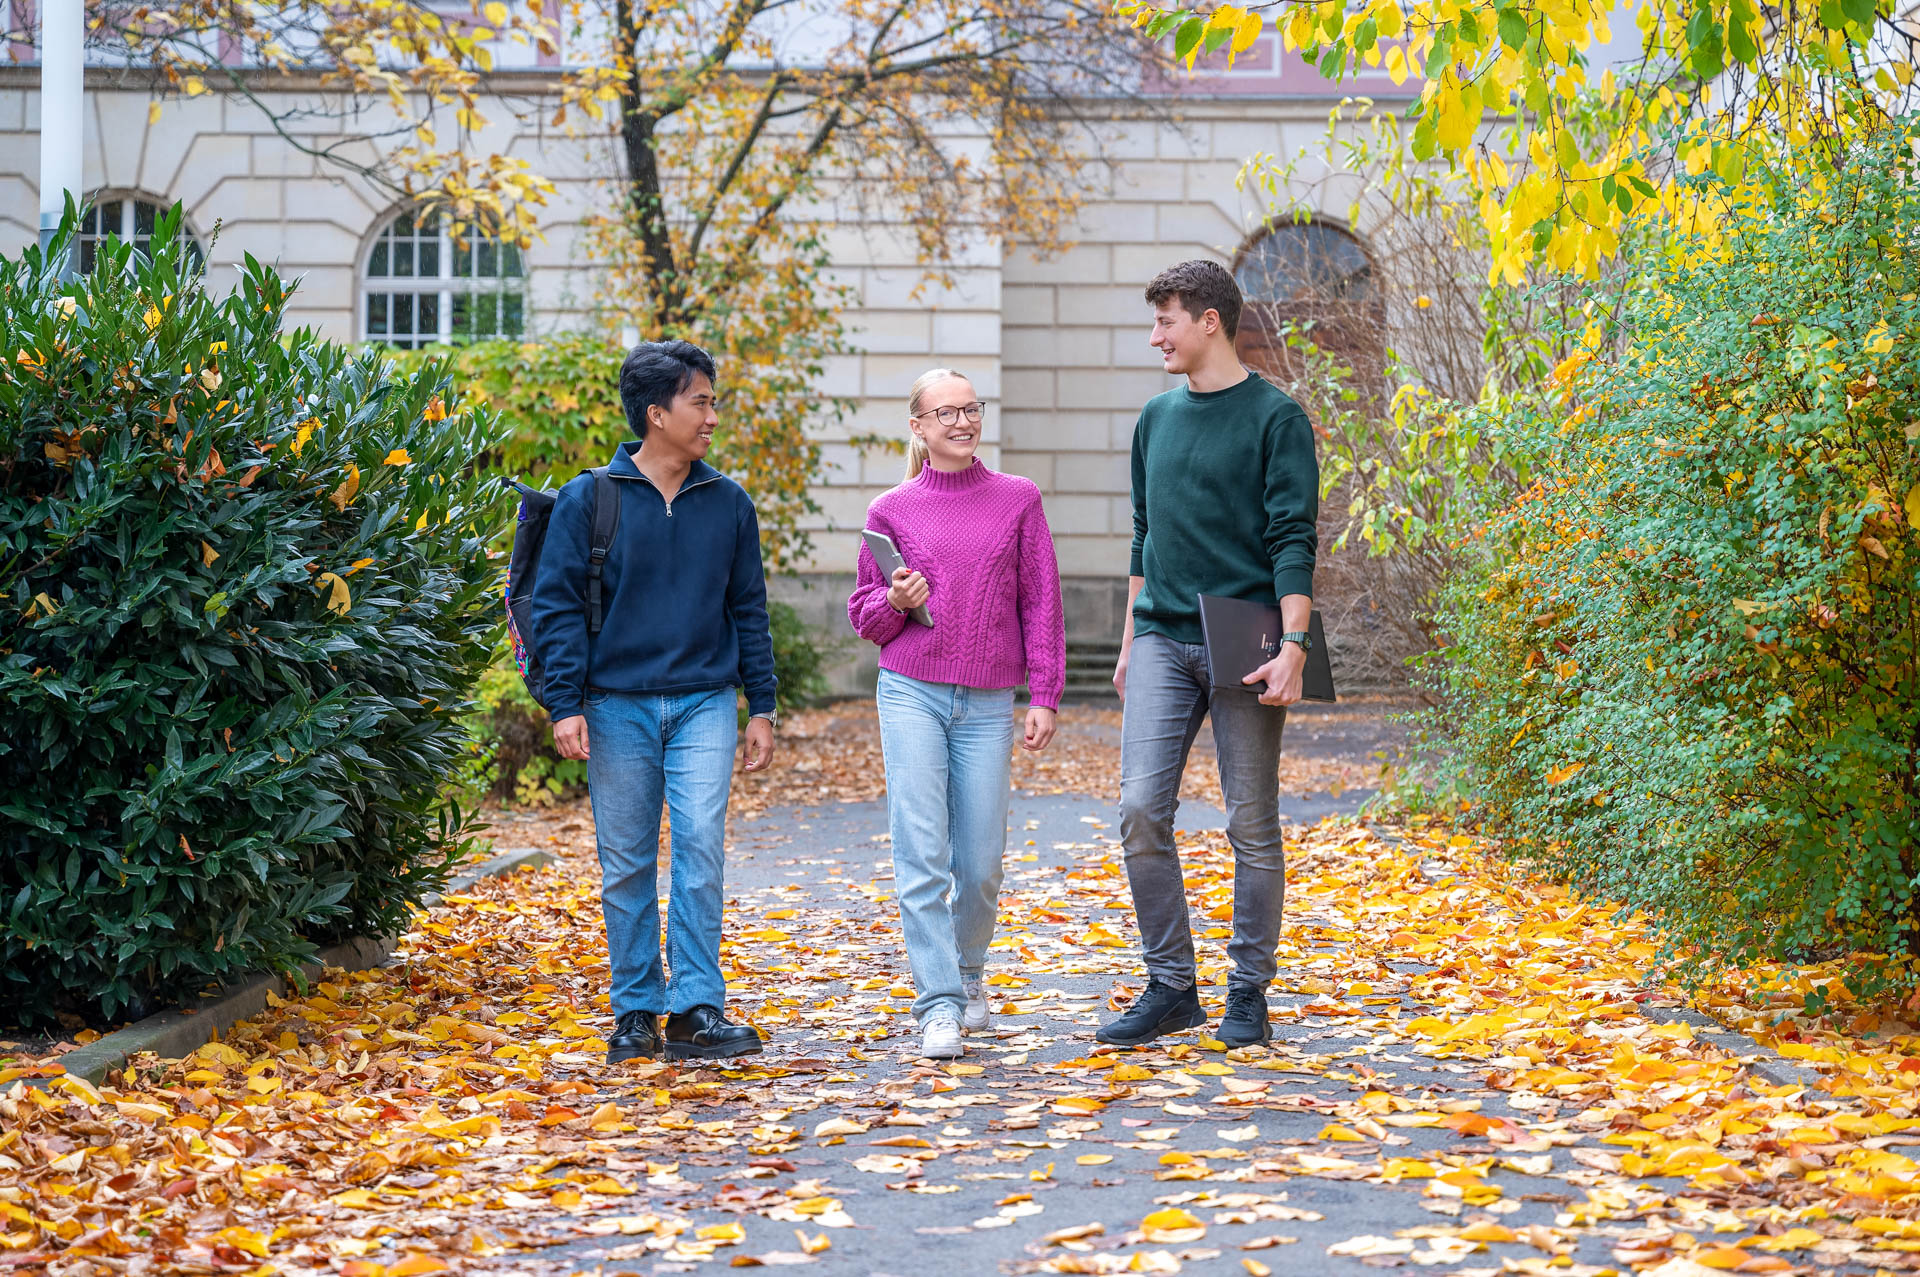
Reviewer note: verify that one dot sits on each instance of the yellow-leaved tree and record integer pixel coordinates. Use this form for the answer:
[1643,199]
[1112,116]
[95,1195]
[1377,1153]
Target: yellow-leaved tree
[1559,159]
[724,137]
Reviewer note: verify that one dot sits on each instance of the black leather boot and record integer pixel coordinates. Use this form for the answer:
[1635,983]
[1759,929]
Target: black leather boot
[636,1036]
[702,1033]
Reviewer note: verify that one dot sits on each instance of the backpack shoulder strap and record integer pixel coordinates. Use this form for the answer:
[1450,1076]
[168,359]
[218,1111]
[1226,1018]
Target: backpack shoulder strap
[606,524]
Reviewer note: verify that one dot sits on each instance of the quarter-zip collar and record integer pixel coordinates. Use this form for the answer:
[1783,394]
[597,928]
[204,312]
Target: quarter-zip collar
[622,467]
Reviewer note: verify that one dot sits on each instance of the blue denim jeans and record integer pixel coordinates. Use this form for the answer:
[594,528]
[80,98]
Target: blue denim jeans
[643,748]
[1169,692]
[949,780]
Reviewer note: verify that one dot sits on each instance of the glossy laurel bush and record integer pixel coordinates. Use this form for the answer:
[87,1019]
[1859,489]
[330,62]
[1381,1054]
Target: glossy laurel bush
[245,590]
[1686,660]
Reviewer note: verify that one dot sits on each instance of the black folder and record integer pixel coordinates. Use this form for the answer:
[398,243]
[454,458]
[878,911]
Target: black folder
[1241,636]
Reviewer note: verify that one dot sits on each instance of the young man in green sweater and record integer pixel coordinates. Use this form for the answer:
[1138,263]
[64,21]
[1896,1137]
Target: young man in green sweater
[1225,496]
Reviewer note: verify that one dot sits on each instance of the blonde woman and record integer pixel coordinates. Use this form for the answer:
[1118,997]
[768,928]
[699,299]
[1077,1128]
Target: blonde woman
[979,557]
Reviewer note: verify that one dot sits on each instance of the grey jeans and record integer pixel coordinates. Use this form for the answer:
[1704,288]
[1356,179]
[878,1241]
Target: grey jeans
[1168,693]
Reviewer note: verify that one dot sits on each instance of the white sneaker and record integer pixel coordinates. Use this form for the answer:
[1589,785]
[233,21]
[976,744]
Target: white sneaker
[975,1018]
[940,1037]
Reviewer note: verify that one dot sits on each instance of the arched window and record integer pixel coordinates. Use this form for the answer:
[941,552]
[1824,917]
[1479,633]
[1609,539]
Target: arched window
[130,218]
[1304,263]
[1314,277]
[421,287]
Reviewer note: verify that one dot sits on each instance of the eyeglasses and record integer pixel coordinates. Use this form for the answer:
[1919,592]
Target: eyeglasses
[948,415]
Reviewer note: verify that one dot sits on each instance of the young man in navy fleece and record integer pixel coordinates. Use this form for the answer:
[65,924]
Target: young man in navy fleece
[649,701]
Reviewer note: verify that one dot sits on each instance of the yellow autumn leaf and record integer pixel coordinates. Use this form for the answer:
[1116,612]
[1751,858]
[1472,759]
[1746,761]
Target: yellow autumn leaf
[1172,1225]
[340,601]
[244,1239]
[208,554]
[724,1234]
[398,457]
[1559,775]
[348,487]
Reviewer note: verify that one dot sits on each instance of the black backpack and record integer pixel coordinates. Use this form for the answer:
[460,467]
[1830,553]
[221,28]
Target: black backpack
[529,538]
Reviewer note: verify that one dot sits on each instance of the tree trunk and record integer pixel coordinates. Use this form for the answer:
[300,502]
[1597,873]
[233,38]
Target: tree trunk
[646,205]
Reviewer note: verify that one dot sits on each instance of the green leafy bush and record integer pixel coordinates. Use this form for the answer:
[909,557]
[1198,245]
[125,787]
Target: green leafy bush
[245,594]
[1686,663]
[560,402]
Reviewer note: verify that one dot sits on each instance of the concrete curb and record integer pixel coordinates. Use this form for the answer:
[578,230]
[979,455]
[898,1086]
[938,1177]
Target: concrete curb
[183,1030]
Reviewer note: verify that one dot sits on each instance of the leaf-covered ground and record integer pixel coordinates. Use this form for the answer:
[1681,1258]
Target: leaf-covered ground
[1471,1075]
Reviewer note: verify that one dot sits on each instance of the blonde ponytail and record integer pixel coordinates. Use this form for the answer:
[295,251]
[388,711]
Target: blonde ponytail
[916,457]
[916,397]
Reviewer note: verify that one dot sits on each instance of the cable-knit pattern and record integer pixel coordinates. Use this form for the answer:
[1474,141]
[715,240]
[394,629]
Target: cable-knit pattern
[981,540]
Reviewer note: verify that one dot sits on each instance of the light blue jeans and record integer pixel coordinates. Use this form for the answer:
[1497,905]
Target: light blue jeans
[949,781]
[643,748]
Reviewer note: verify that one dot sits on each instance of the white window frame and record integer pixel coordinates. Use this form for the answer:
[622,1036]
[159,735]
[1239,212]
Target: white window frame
[124,202]
[444,285]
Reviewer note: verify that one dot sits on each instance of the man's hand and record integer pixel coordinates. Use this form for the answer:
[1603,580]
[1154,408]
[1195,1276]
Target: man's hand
[570,737]
[1281,676]
[759,744]
[908,590]
[1040,727]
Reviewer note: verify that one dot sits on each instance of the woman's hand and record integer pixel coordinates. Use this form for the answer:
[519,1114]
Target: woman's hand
[908,590]
[1040,726]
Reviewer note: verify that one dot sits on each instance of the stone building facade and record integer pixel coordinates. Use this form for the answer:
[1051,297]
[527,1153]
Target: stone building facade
[1057,345]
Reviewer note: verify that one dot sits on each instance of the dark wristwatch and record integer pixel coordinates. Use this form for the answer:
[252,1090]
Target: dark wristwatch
[1304,639]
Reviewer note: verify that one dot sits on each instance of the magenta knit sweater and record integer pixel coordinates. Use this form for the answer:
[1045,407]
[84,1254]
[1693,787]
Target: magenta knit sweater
[981,540]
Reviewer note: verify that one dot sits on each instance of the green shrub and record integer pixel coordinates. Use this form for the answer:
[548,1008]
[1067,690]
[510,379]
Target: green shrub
[560,402]
[1684,667]
[246,593]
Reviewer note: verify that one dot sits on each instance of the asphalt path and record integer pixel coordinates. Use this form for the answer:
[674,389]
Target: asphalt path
[973,1209]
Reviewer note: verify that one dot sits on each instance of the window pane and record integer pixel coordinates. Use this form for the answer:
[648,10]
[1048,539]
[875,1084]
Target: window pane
[426,318]
[429,259]
[510,260]
[1305,262]
[403,257]
[145,215]
[377,263]
[488,265]
[511,306]
[376,315]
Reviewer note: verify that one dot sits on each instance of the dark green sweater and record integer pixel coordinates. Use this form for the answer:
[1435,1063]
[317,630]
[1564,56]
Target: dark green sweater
[1226,490]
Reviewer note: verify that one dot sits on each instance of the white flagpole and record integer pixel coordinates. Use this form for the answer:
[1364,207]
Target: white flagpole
[62,74]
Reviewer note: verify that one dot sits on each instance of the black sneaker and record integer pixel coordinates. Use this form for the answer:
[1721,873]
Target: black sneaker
[1245,1022]
[702,1033]
[1159,1009]
[636,1036]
